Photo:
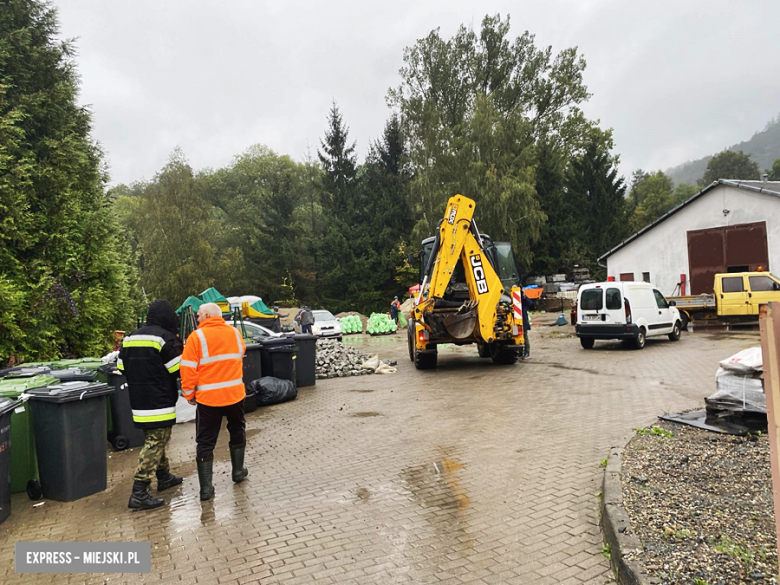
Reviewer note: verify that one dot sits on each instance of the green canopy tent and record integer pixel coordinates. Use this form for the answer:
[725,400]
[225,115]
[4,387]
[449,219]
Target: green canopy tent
[212,295]
[259,313]
[193,302]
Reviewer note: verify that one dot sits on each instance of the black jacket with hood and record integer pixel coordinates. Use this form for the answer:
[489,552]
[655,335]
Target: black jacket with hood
[150,359]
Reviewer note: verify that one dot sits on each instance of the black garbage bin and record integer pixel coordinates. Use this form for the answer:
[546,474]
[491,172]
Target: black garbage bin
[253,370]
[306,359]
[278,358]
[6,408]
[74,375]
[122,433]
[70,438]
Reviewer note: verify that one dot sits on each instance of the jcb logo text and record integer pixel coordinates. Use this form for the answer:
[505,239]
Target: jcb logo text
[479,274]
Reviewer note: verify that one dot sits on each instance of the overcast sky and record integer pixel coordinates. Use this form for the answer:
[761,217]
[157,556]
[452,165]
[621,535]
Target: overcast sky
[675,79]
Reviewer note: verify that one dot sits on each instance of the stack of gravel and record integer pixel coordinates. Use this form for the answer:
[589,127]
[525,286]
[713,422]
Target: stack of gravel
[336,360]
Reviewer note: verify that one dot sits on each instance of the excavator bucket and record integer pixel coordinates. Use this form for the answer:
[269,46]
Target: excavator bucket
[461,324]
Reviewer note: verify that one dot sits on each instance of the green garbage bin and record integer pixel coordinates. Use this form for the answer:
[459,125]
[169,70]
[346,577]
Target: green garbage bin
[6,407]
[24,461]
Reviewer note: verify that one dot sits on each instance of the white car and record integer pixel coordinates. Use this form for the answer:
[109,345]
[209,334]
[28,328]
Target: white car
[325,324]
[631,311]
[254,330]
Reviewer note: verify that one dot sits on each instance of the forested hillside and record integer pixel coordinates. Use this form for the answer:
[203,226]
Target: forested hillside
[763,148]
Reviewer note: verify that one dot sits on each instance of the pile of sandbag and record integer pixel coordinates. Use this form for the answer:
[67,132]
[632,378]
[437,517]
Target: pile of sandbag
[351,324]
[380,323]
[739,384]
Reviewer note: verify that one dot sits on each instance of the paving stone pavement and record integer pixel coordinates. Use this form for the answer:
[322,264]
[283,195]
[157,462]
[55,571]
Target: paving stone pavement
[472,473]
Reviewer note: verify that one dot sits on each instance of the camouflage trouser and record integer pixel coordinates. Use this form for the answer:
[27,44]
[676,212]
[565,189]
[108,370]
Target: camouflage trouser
[152,457]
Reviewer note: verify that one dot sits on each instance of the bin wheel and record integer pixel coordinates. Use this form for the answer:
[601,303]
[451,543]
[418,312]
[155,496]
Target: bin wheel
[120,442]
[34,491]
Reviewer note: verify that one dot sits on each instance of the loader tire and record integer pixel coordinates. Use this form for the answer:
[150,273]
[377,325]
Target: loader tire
[483,350]
[504,354]
[410,340]
[425,361]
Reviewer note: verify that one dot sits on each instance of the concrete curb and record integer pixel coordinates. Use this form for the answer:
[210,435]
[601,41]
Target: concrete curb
[624,545]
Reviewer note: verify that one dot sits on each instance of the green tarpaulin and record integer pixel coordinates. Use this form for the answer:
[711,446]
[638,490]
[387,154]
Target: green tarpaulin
[212,295]
[193,302]
[261,307]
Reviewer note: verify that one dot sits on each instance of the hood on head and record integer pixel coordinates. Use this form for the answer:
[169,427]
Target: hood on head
[162,314]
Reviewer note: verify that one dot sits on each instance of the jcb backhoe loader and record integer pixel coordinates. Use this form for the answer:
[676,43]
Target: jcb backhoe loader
[470,292]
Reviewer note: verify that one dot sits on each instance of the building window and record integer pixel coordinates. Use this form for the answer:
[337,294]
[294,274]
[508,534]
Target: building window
[646,276]
[626,277]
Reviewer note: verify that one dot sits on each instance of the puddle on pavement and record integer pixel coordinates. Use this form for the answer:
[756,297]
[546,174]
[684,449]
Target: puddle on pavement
[362,390]
[570,368]
[363,494]
[251,433]
[365,414]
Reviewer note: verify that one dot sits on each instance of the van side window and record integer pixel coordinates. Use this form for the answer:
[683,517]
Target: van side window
[592,299]
[762,283]
[731,284]
[660,300]
[613,299]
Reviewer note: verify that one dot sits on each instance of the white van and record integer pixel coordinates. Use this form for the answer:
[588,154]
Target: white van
[631,311]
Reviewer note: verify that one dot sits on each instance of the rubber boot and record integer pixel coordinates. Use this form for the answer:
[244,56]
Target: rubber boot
[237,459]
[205,473]
[165,480]
[141,499]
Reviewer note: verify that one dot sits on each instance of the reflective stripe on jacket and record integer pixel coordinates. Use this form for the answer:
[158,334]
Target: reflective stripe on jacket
[212,365]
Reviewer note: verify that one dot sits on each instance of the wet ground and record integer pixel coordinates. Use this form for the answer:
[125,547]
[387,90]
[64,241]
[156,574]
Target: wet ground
[472,473]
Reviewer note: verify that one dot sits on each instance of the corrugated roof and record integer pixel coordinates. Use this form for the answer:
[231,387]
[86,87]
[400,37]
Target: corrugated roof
[768,187]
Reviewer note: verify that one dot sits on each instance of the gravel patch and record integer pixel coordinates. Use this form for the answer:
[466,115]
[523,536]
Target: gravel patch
[701,504]
[336,360]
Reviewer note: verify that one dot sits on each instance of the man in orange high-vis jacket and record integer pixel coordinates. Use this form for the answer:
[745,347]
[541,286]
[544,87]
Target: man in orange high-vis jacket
[212,377]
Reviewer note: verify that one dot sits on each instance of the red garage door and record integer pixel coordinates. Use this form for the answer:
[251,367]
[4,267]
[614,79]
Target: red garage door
[735,248]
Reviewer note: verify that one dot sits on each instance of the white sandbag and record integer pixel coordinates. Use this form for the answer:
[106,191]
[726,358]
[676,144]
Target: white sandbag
[737,392]
[371,363]
[185,412]
[385,369]
[746,361]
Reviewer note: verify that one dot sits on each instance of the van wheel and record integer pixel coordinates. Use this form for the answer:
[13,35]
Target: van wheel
[675,334]
[587,342]
[685,320]
[639,342]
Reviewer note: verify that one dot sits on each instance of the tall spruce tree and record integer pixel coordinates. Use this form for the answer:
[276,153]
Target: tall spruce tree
[65,279]
[598,194]
[341,213]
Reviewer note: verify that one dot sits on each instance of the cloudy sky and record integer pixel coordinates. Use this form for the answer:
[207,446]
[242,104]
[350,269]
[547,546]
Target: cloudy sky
[675,79]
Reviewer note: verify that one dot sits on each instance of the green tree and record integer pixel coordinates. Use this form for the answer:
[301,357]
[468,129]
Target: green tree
[597,194]
[730,165]
[178,237]
[653,196]
[473,107]
[682,193]
[66,279]
[774,172]
[341,213]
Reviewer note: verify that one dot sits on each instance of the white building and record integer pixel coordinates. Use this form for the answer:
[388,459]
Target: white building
[729,226]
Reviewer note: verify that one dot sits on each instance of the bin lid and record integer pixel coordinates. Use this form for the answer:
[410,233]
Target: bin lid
[7,405]
[278,341]
[27,371]
[88,363]
[70,391]
[304,336]
[73,374]
[15,386]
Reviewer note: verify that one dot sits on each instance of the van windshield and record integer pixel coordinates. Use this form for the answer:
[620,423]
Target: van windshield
[592,299]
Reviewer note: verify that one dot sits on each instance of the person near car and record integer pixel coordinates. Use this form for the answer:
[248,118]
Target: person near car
[395,308]
[212,378]
[307,320]
[526,325]
[149,358]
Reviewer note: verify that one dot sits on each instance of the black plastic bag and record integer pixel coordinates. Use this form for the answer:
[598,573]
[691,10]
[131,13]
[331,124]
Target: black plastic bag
[270,390]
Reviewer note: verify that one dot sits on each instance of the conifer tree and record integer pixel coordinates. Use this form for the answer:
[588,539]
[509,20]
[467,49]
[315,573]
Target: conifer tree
[65,279]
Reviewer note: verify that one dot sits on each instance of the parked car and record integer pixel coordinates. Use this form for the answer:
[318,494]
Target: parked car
[629,311]
[255,331]
[325,324]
